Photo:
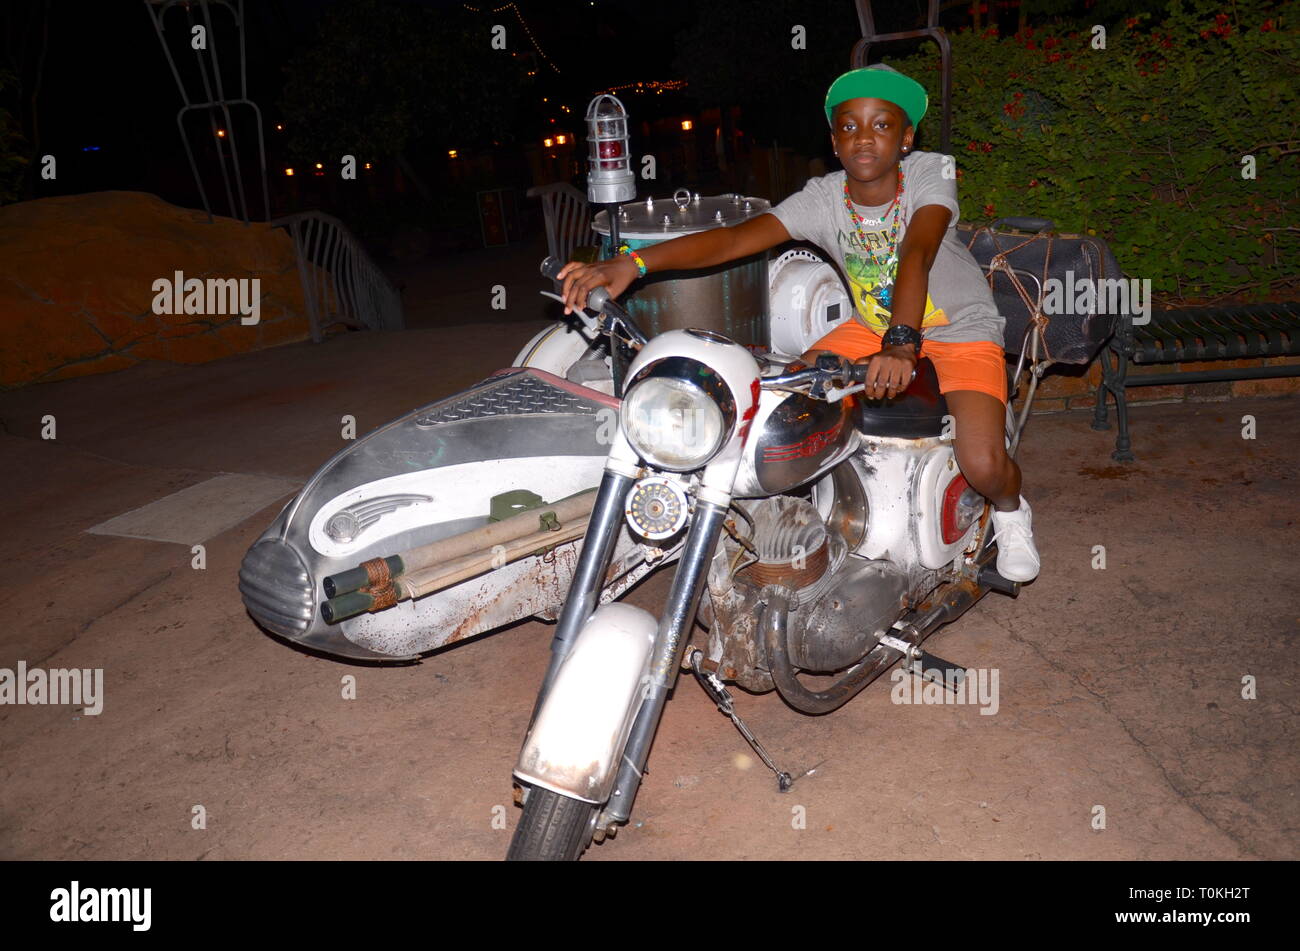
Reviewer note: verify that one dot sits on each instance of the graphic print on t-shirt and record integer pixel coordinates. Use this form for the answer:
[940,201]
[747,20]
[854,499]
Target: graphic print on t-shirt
[868,281]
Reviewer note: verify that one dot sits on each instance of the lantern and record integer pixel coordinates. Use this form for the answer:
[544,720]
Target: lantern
[610,178]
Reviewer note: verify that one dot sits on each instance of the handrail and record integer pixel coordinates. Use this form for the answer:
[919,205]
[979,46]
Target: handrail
[341,284]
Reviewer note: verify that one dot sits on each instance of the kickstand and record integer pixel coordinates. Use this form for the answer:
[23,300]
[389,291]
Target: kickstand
[719,695]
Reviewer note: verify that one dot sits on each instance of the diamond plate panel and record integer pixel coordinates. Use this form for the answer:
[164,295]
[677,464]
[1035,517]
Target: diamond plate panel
[519,395]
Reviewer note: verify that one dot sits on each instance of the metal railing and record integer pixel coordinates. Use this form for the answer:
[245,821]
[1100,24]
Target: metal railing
[568,219]
[340,282]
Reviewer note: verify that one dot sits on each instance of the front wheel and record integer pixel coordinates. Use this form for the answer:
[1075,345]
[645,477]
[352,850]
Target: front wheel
[553,828]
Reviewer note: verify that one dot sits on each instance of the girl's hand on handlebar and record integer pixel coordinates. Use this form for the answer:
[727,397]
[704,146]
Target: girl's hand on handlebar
[581,279]
[890,371]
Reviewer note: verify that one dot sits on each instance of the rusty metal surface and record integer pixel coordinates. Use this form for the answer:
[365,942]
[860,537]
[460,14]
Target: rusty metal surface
[536,585]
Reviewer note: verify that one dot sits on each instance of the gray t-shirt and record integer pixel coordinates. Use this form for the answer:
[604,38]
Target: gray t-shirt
[959,306]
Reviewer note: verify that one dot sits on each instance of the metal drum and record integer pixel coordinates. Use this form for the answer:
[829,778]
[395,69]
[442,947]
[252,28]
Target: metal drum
[731,298]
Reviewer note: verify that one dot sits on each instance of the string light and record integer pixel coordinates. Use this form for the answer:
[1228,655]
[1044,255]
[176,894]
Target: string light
[520,17]
[672,85]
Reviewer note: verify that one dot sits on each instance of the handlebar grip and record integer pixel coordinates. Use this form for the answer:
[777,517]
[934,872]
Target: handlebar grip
[598,300]
[551,267]
[858,372]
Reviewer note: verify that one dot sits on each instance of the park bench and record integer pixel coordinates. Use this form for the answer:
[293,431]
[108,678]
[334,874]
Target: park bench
[1193,334]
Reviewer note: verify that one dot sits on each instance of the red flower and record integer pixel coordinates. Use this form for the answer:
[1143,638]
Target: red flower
[1166,43]
[1007,108]
[1266,26]
[1223,30]
[1030,45]
[1053,57]
[989,210]
[1033,183]
[988,146]
[1018,96]
[1205,34]
[972,145]
[1131,22]
[1221,18]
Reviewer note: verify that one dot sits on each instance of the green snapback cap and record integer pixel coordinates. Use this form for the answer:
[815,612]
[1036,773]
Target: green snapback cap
[879,81]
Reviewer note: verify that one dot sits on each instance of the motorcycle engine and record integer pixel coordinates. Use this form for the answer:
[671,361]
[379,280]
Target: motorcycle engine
[793,545]
[841,602]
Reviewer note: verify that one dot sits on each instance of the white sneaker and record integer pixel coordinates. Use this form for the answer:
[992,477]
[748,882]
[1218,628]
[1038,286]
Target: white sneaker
[1017,556]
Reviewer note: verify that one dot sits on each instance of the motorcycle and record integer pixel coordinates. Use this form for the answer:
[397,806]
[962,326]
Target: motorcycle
[831,535]
[815,532]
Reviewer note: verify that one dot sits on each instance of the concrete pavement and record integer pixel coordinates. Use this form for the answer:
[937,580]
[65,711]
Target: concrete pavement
[1120,687]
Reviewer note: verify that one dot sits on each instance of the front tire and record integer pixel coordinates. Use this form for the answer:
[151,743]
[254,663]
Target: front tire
[553,828]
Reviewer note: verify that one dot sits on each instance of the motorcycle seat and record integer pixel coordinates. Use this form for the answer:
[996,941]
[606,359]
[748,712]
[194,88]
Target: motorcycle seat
[916,413]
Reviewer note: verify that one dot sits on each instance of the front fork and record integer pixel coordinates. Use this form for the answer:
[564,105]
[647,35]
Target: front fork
[670,638]
[670,642]
[589,575]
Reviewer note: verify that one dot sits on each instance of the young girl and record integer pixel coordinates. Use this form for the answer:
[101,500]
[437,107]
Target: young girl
[889,218]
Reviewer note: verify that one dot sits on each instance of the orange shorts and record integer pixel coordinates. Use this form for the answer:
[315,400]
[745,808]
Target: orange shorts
[975,365]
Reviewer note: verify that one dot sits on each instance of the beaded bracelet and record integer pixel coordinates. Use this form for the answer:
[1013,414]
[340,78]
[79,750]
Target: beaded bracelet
[640,264]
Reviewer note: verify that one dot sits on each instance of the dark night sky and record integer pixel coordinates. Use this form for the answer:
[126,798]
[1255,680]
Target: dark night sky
[107,83]
[106,80]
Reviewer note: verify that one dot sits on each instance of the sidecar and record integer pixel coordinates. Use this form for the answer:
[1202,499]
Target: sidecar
[434,474]
[430,475]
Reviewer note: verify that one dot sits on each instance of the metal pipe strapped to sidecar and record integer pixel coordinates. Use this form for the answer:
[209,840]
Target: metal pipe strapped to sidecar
[432,567]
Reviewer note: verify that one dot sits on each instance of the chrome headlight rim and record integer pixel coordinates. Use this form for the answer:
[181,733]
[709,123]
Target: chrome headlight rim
[693,374]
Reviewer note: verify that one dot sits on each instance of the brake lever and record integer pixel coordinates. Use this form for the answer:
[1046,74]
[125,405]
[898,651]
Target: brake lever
[592,322]
[599,323]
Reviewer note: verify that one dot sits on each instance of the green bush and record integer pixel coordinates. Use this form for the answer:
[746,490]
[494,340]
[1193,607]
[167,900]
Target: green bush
[1142,142]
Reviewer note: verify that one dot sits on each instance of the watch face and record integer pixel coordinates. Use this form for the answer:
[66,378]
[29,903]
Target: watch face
[895,336]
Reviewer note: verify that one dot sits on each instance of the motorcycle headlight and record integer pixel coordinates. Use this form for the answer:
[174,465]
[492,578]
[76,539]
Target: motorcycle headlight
[677,414]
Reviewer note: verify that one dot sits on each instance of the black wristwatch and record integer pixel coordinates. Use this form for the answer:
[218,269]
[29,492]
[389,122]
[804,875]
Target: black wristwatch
[900,334]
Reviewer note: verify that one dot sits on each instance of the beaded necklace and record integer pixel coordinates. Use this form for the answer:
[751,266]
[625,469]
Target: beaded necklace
[889,263]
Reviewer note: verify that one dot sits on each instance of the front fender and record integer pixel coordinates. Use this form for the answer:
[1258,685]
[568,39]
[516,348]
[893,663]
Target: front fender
[579,732]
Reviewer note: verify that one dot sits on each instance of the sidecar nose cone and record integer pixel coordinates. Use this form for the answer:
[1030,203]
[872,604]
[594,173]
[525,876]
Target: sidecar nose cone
[277,588]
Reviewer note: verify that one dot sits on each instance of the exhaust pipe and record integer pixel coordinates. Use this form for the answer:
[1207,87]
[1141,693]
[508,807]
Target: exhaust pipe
[949,604]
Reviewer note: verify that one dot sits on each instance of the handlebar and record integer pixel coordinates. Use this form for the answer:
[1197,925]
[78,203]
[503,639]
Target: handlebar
[833,378]
[600,301]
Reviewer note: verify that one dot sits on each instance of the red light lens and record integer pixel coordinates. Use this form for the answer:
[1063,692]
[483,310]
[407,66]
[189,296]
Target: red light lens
[956,518]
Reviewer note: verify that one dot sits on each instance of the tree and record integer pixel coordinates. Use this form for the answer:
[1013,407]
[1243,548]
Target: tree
[385,79]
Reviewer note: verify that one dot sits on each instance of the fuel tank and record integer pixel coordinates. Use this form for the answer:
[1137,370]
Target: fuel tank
[426,476]
[795,439]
